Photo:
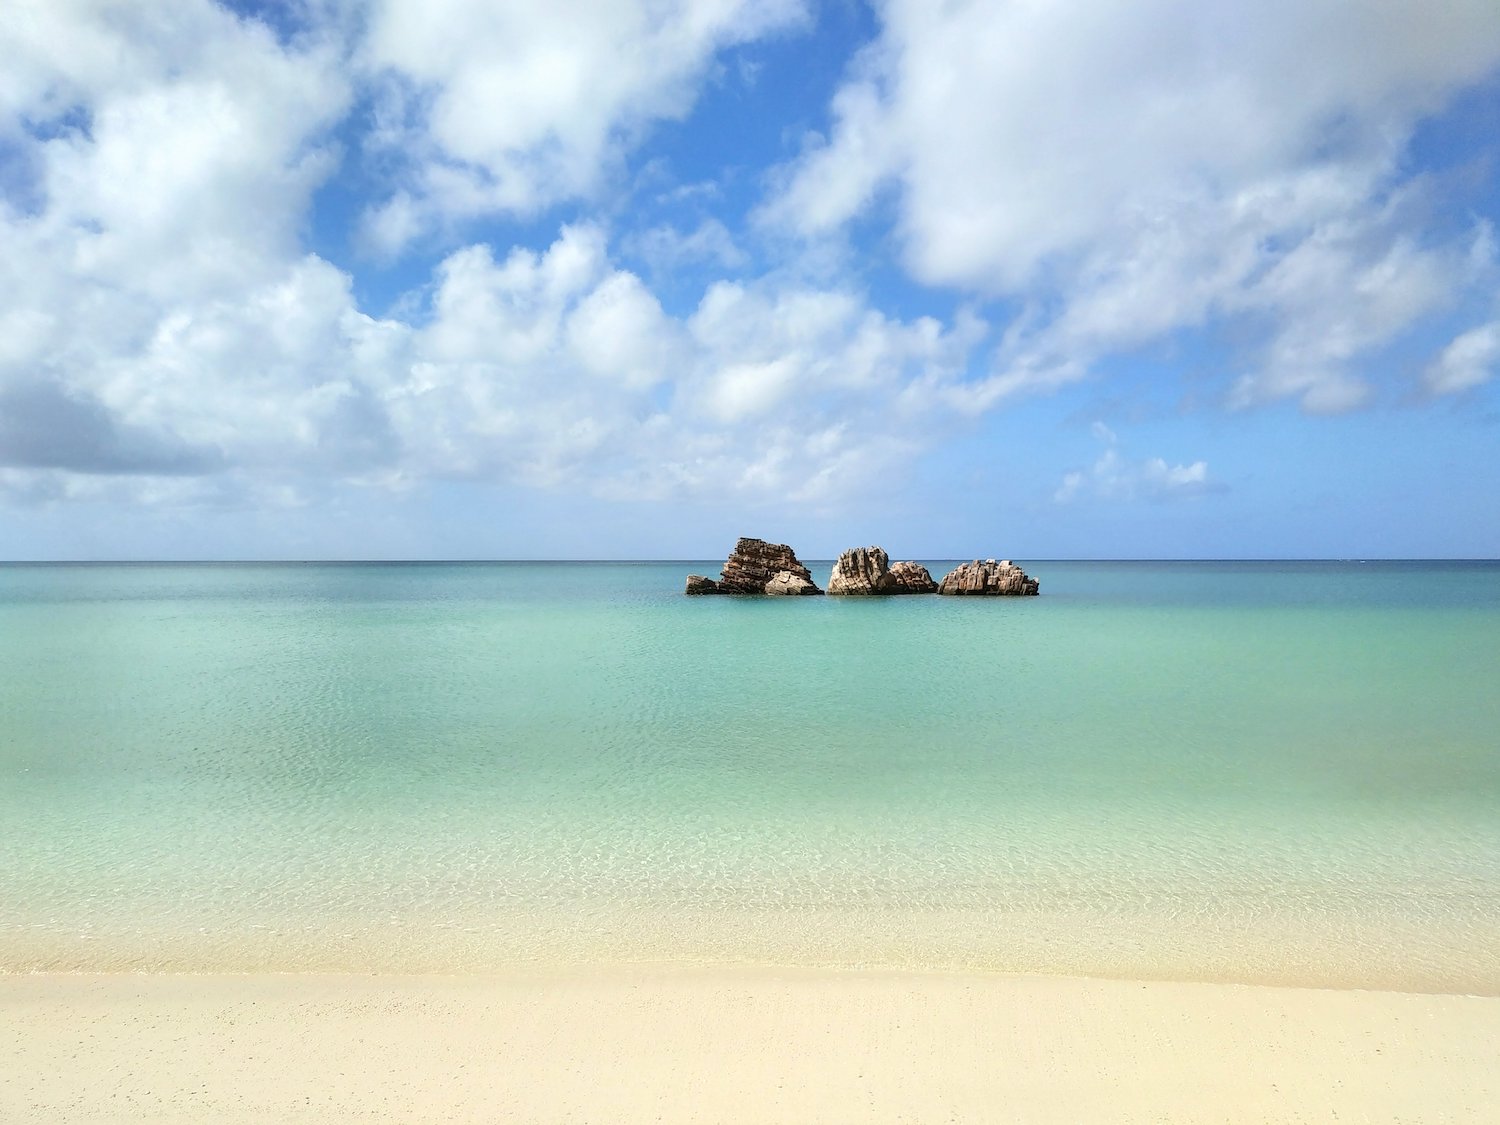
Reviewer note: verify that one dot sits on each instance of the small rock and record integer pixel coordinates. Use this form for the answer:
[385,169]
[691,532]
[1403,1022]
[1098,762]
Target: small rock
[697,584]
[785,582]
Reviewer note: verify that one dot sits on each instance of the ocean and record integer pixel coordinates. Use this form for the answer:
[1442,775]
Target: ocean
[1266,772]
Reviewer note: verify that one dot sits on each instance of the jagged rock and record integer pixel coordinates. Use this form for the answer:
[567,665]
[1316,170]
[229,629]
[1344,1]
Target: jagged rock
[988,577]
[785,582]
[758,567]
[908,578]
[862,570]
[755,562]
[868,570]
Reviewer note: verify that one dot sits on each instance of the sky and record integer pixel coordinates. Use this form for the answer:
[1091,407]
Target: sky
[630,278]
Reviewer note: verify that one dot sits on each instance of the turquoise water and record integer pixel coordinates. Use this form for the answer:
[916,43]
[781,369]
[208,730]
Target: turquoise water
[1255,772]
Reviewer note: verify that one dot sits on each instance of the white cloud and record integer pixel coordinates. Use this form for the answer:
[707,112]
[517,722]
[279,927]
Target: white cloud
[619,332]
[172,149]
[1019,133]
[1342,292]
[163,312]
[1470,360]
[511,312]
[766,349]
[1308,311]
[551,369]
[1115,477]
[512,107]
[665,247]
[166,336]
[561,368]
[163,335]
[1161,477]
[1130,170]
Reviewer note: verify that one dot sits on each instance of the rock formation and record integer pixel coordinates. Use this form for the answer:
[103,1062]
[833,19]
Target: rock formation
[753,567]
[755,562]
[785,582]
[758,567]
[868,570]
[988,577]
[862,570]
[911,578]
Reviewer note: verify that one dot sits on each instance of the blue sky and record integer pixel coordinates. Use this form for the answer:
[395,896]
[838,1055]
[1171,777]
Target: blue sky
[456,278]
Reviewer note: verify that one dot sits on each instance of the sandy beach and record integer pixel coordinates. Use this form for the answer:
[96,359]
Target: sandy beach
[732,1045]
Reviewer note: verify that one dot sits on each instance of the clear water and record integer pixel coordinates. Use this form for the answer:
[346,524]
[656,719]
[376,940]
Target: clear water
[1254,772]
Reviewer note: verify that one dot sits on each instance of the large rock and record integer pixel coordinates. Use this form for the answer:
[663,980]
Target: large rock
[868,570]
[785,582]
[989,578]
[755,562]
[911,578]
[862,570]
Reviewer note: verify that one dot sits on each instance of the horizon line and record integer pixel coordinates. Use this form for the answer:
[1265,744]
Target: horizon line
[476,560]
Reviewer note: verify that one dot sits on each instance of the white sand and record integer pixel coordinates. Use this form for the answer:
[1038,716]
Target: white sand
[679,1045]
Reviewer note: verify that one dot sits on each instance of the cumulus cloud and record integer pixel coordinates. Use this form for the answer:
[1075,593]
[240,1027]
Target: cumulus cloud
[1470,360]
[552,368]
[1127,171]
[159,316]
[1115,477]
[160,321]
[43,426]
[512,107]
[561,367]
[173,148]
[167,337]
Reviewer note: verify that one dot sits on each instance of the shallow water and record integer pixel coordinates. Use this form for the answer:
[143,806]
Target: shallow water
[1247,771]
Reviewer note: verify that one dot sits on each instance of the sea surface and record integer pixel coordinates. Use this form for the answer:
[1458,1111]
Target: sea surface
[1258,772]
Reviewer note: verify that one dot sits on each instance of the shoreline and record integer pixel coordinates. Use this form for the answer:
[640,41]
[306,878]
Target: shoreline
[543,969]
[1379,952]
[710,1043]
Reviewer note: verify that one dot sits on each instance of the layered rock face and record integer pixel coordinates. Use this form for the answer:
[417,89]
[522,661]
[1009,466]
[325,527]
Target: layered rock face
[912,578]
[868,570]
[862,570]
[758,567]
[755,562]
[988,578]
[753,568]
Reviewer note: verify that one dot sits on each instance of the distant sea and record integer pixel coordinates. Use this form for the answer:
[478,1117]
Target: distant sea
[1262,771]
